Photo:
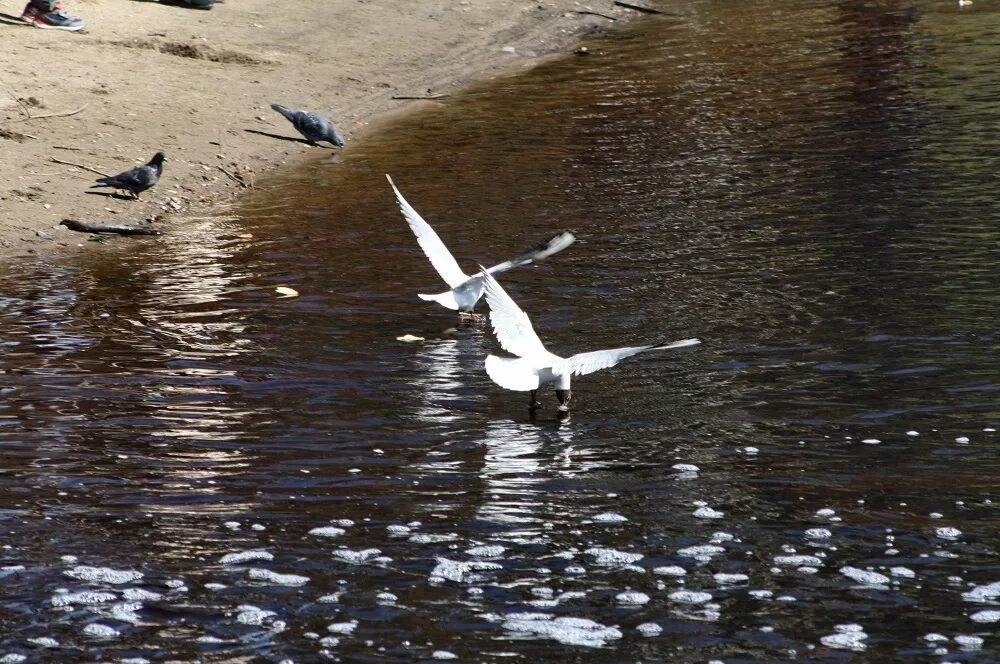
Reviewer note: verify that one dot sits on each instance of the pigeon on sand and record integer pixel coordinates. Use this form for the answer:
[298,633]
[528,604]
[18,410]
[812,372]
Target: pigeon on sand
[534,365]
[464,291]
[314,126]
[136,180]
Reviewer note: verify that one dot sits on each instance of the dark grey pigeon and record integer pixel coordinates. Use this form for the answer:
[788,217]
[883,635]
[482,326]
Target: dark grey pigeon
[314,126]
[136,180]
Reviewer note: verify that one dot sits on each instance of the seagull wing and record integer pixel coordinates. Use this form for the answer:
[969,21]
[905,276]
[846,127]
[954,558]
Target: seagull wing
[585,363]
[553,245]
[511,325]
[433,247]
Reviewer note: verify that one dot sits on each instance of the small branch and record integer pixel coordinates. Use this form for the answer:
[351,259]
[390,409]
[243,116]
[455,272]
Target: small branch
[57,115]
[234,178]
[88,227]
[65,147]
[590,13]
[24,109]
[86,168]
[638,8]
[439,95]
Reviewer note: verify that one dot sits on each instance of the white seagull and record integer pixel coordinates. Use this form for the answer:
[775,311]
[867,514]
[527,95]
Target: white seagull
[464,290]
[534,365]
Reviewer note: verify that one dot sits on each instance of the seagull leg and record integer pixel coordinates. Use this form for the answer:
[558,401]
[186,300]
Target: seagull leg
[533,403]
[564,397]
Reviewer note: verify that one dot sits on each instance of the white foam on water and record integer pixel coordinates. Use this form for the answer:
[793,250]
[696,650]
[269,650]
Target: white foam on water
[101,631]
[252,615]
[936,515]
[327,531]
[686,468]
[724,579]
[86,598]
[947,533]
[386,598]
[215,586]
[608,517]
[761,594]
[140,595]
[69,560]
[846,640]
[432,538]
[332,598]
[649,629]
[486,551]
[986,617]
[356,557]
[613,557]
[397,530]
[267,576]
[987,593]
[871,441]
[689,597]
[126,612]
[232,525]
[632,597]
[245,556]
[864,577]
[751,450]
[443,654]
[13,658]
[134,660]
[209,639]
[342,627]
[102,575]
[700,551]
[912,433]
[670,570]
[707,512]
[462,572]
[825,513]
[798,560]
[969,642]
[818,533]
[934,637]
[903,572]
[329,642]
[962,440]
[343,523]
[566,630]
[575,569]
[8,570]
[44,642]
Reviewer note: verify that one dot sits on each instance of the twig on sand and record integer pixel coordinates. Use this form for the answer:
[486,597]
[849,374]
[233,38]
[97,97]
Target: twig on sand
[88,227]
[235,179]
[590,13]
[24,109]
[438,95]
[638,8]
[61,114]
[86,168]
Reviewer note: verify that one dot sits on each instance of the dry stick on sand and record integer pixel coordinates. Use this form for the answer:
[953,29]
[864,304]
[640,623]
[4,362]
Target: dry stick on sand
[86,168]
[439,95]
[61,114]
[590,13]
[234,178]
[638,8]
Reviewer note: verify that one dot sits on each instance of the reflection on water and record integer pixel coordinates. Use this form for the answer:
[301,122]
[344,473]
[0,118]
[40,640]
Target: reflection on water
[806,186]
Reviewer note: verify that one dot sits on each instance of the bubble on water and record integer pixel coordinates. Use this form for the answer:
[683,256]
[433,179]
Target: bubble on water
[103,575]
[134,660]
[936,515]
[209,639]
[864,577]
[724,579]
[948,533]
[486,551]
[903,572]
[332,598]
[985,617]
[565,630]
[969,642]
[686,468]
[761,594]
[847,637]
[267,576]
[608,517]
[707,513]
[575,569]
[632,597]
[751,451]
[933,637]
[245,556]
[329,642]
[806,569]
[232,525]
[689,597]
[216,586]
[785,598]
[85,598]
[720,536]
[670,570]
[398,530]
[871,441]
[825,513]
[462,572]
[343,628]
[649,629]
[13,658]
[249,614]
[126,612]
[613,557]
[356,557]
[44,642]
[818,533]
[386,598]
[257,526]
[962,440]
[443,654]
[101,631]
[912,432]
[700,551]
[69,560]
[985,593]
[798,560]
[431,538]
[327,531]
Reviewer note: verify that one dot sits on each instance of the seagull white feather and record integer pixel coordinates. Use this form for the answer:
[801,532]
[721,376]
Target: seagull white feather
[465,290]
[534,365]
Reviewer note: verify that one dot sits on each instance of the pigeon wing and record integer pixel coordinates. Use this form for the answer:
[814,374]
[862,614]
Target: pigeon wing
[585,363]
[553,245]
[433,247]
[511,325]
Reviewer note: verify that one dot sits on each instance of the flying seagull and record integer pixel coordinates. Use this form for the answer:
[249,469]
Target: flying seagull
[136,180]
[464,290]
[534,365]
[314,126]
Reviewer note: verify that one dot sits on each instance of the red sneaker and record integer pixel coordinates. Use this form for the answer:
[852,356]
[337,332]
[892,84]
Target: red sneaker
[54,19]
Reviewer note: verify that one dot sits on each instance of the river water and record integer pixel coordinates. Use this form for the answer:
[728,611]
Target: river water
[197,469]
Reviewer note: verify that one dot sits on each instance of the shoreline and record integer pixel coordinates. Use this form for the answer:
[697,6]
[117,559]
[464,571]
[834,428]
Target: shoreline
[198,85]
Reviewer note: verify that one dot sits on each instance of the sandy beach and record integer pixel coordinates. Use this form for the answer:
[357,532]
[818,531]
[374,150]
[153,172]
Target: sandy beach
[198,85]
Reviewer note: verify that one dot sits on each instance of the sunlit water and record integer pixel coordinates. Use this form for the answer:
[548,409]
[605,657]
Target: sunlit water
[809,187]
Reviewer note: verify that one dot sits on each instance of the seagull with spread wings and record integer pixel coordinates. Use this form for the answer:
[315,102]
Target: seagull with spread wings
[534,365]
[464,291]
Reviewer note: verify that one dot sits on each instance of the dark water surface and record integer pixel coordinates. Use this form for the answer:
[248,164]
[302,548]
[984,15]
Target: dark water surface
[810,187]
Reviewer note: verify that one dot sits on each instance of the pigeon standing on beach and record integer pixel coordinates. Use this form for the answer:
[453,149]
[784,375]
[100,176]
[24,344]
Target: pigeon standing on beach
[136,180]
[314,126]
[534,365]
[464,290]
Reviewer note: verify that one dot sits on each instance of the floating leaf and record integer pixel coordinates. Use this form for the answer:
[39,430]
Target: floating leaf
[285,291]
[409,338]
